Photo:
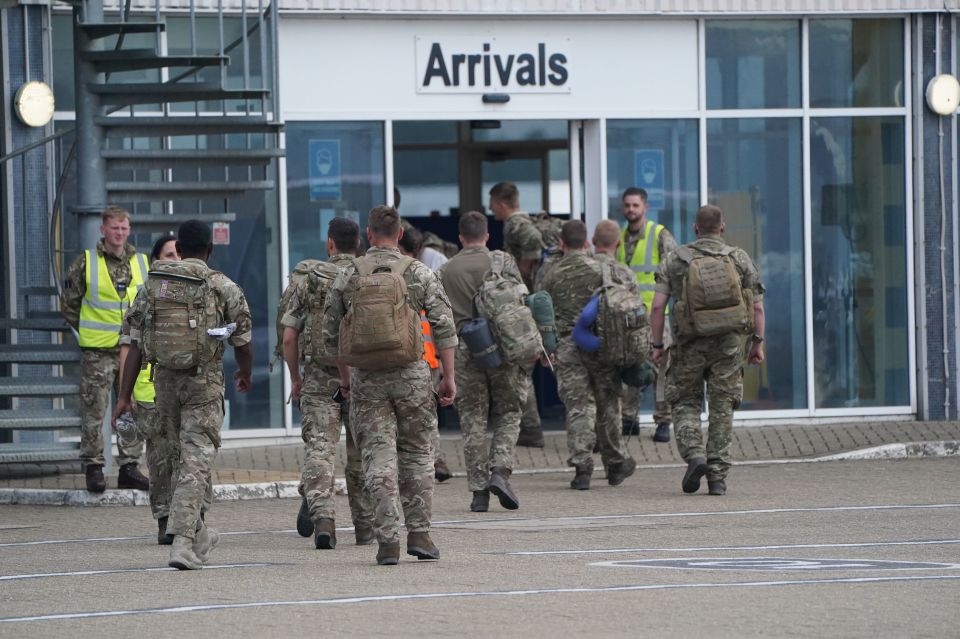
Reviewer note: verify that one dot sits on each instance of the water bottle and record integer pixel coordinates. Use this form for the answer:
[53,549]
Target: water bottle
[126,430]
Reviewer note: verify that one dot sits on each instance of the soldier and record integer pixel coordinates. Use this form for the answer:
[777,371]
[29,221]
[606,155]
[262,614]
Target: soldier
[488,466]
[388,383]
[589,388]
[188,373]
[321,414]
[100,285]
[720,310]
[643,246]
[523,241]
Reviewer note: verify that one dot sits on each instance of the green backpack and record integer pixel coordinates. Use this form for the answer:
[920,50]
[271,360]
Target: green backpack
[502,302]
[713,301]
[621,323]
[297,279]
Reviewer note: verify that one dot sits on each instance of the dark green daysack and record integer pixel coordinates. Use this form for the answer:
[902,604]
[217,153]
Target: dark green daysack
[502,302]
[713,301]
[621,323]
[297,277]
[541,306]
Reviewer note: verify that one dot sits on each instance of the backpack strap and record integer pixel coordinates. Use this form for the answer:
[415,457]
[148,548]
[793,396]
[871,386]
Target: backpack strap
[400,266]
[684,253]
[496,262]
[606,280]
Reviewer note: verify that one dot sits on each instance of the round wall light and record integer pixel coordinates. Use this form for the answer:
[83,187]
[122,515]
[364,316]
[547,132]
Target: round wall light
[34,103]
[943,94]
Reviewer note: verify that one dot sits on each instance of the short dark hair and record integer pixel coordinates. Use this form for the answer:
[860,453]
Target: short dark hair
[193,238]
[506,192]
[709,219]
[345,234]
[412,241]
[574,234]
[158,245]
[472,225]
[635,190]
[383,221]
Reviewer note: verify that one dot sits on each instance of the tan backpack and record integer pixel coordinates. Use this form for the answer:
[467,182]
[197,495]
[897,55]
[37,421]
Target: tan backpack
[713,301]
[181,307]
[380,331]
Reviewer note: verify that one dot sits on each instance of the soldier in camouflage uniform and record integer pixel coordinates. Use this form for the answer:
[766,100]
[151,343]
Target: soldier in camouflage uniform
[488,465]
[94,307]
[716,360]
[393,410]
[523,241]
[321,414]
[589,388]
[193,399]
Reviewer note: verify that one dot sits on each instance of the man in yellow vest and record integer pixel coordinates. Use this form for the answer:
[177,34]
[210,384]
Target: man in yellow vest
[99,288]
[643,245]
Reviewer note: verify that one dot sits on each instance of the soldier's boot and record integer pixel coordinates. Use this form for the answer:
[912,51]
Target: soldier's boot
[499,486]
[388,554]
[182,556]
[163,539]
[480,502]
[326,534]
[631,427]
[616,473]
[304,523]
[363,535]
[204,542]
[696,469]
[717,487]
[531,437]
[421,546]
[662,434]
[131,477]
[581,481]
[441,472]
[95,481]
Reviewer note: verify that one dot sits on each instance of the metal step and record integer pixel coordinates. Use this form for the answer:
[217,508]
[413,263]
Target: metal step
[155,93]
[159,159]
[39,353]
[153,191]
[107,29]
[44,315]
[32,453]
[49,324]
[37,290]
[39,419]
[38,386]
[149,127]
[163,222]
[138,59]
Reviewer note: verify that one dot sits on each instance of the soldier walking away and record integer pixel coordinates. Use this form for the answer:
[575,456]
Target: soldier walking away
[322,410]
[643,246]
[718,322]
[100,286]
[589,386]
[372,319]
[180,324]
[523,241]
[485,394]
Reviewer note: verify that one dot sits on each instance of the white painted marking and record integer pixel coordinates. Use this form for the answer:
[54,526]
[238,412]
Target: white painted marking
[767,564]
[86,573]
[455,595]
[864,544]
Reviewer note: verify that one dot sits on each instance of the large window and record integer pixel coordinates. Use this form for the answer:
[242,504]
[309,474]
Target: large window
[856,63]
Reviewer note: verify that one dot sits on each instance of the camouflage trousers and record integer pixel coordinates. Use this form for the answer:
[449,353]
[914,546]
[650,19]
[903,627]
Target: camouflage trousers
[321,421]
[192,407]
[99,369]
[476,388]
[163,456]
[718,362]
[438,455]
[633,395]
[590,392]
[530,416]
[394,415]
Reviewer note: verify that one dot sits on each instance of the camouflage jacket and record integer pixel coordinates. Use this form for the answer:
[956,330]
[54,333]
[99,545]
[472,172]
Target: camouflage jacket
[571,282]
[75,283]
[521,238]
[296,314]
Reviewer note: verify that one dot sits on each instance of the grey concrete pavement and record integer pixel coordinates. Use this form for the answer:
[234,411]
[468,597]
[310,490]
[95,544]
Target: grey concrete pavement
[792,550]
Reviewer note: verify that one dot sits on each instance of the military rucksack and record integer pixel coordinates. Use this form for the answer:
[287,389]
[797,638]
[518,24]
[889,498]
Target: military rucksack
[181,308]
[549,228]
[380,330]
[712,301]
[502,302]
[621,322]
[297,278]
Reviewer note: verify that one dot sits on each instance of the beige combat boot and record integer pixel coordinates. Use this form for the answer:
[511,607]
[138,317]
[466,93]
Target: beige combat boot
[182,556]
[204,542]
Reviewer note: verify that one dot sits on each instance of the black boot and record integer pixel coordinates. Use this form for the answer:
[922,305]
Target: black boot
[530,437]
[304,523]
[662,434]
[499,486]
[616,473]
[481,501]
[717,487]
[326,538]
[441,472]
[95,481]
[696,469]
[581,481]
[631,427]
[163,539]
[131,477]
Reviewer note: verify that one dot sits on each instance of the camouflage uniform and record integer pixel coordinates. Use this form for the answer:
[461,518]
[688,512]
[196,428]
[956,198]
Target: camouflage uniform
[99,367]
[321,420]
[716,360]
[476,387]
[190,403]
[589,388]
[394,410]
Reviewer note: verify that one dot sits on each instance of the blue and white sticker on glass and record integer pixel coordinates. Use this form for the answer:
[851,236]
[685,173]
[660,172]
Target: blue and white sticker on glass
[648,175]
[326,178]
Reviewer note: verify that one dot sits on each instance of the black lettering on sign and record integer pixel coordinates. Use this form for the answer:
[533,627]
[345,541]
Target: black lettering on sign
[436,66]
[504,72]
[558,75]
[526,70]
[496,70]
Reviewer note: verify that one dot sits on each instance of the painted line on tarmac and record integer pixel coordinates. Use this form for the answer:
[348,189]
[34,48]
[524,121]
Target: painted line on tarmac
[601,551]
[115,571]
[462,595]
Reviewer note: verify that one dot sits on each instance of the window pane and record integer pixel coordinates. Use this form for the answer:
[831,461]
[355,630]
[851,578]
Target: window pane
[753,64]
[428,181]
[859,262]
[856,63]
[62,42]
[333,169]
[425,132]
[660,156]
[755,176]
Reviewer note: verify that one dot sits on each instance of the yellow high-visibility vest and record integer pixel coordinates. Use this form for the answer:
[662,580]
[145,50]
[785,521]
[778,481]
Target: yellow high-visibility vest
[143,390]
[102,309]
[645,259]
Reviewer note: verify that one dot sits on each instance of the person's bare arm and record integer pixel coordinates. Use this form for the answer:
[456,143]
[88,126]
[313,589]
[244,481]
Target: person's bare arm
[657,314]
[756,355]
[291,355]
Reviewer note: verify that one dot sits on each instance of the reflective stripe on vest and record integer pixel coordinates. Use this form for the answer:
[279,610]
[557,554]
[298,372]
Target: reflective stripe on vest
[645,259]
[101,311]
[429,350]
[143,390]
